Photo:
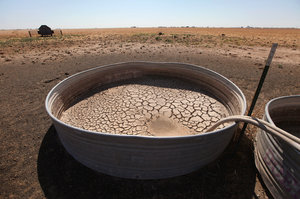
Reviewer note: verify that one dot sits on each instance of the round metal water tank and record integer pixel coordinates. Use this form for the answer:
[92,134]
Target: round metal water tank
[143,157]
[277,161]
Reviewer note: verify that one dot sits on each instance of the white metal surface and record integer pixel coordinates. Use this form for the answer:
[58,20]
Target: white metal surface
[277,161]
[143,157]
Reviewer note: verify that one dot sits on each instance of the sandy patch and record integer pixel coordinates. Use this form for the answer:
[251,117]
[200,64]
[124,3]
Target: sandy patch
[152,106]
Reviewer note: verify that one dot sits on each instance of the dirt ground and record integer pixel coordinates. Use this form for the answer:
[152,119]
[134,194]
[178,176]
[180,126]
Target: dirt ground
[33,162]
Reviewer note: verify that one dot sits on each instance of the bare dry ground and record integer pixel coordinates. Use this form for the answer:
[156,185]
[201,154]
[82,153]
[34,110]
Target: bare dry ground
[35,165]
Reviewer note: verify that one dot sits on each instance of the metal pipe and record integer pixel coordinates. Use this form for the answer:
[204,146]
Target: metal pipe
[289,138]
[258,89]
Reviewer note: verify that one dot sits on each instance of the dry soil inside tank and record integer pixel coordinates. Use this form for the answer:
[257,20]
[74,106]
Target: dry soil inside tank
[149,106]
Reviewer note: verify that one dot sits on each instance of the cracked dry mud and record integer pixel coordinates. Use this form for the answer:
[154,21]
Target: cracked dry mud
[152,106]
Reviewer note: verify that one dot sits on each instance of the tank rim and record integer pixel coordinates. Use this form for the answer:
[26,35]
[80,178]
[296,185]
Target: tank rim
[241,94]
[267,107]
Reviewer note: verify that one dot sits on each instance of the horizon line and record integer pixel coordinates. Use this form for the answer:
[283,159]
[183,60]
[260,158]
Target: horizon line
[240,27]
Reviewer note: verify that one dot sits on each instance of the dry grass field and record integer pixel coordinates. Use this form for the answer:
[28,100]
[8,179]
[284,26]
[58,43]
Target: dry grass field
[193,36]
[35,165]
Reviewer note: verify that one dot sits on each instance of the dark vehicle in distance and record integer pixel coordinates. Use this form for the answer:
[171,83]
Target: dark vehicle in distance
[45,31]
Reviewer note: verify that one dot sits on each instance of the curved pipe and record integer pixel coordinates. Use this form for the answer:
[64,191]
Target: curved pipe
[289,138]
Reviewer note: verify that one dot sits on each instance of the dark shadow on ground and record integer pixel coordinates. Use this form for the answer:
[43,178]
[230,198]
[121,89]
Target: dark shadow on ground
[60,176]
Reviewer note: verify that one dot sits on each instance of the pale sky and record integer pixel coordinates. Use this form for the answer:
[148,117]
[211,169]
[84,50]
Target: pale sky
[26,14]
